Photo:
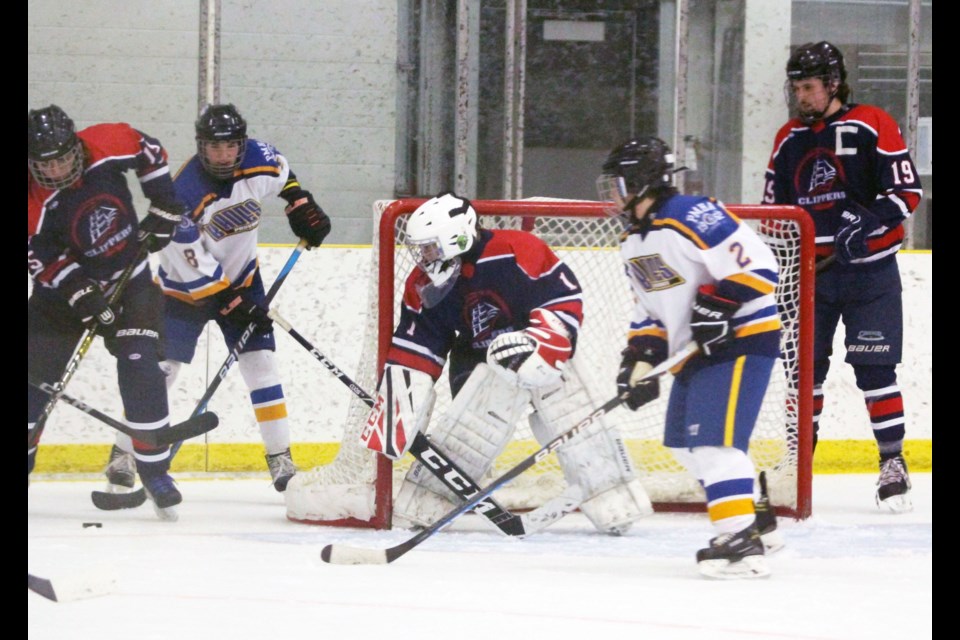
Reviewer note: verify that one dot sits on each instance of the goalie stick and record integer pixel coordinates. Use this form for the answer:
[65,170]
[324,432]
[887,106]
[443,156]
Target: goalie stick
[107,501]
[347,554]
[86,339]
[445,469]
[189,428]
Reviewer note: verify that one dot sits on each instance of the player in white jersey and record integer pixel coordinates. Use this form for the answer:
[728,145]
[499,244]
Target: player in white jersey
[699,273]
[210,269]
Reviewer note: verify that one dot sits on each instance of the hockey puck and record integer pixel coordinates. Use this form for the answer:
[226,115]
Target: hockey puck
[92,524]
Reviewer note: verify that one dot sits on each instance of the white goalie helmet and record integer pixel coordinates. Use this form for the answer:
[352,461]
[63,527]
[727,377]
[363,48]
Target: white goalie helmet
[441,230]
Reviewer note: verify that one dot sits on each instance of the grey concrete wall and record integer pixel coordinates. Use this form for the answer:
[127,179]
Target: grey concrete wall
[316,79]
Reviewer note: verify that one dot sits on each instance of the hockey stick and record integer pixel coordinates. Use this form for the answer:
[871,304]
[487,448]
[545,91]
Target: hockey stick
[346,554]
[86,339]
[108,501]
[67,590]
[440,464]
[189,428]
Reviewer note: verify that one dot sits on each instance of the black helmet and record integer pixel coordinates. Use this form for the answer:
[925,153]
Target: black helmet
[51,137]
[633,168]
[820,60]
[221,123]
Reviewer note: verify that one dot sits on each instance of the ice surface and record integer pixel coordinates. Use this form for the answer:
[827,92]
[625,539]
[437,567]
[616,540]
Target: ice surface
[234,568]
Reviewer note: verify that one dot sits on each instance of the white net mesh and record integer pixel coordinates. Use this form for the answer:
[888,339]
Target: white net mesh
[589,244]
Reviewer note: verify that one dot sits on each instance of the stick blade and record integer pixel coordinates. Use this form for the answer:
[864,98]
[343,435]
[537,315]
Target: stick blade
[70,588]
[189,428]
[345,554]
[106,501]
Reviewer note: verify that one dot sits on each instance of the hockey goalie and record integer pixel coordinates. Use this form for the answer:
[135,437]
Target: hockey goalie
[506,312]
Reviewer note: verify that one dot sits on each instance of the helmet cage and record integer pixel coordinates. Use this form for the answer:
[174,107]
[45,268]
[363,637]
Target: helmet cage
[631,170]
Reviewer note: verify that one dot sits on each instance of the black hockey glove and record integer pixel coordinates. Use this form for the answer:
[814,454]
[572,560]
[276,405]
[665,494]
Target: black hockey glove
[711,320]
[635,362]
[308,220]
[239,308]
[851,240]
[156,230]
[87,301]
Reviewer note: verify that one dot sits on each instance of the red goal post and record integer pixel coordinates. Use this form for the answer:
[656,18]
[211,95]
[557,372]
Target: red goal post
[357,487]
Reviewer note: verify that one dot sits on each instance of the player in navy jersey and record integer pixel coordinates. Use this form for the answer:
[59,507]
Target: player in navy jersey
[848,166]
[506,312]
[82,232]
[698,272]
[210,270]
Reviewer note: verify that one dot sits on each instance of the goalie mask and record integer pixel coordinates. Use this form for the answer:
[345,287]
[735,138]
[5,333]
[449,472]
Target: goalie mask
[440,231]
[636,168]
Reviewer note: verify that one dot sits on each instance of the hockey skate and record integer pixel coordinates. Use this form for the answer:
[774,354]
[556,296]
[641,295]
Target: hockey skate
[893,487]
[766,519]
[162,491]
[121,471]
[733,556]
[281,469]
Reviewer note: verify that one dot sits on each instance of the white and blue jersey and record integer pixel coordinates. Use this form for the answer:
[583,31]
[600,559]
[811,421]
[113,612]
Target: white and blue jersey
[215,246]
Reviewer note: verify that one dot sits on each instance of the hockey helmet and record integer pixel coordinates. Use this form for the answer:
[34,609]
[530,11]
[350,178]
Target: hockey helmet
[221,123]
[54,151]
[632,169]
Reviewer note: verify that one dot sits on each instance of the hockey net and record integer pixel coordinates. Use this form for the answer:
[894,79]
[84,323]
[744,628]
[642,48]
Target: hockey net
[357,487]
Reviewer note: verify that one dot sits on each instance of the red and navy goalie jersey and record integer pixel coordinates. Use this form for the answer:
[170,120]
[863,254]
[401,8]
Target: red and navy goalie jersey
[856,154]
[92,224]
[505,275]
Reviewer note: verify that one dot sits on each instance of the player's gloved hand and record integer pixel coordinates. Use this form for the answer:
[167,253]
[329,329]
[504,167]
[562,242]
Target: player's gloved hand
[711,320]
[156,230]
[239,307]
[308,220]
[850,241]
[534,357]
[634,364]
[87,301]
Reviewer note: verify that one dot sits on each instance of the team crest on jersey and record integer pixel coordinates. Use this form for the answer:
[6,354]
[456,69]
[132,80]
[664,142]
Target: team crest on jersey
[819,180]
[653,273]
[98,229]
[487,314]
[239,218]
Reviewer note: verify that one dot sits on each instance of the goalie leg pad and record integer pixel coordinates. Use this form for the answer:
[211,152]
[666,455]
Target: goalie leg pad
[596,460]
[402,409]
[474,431]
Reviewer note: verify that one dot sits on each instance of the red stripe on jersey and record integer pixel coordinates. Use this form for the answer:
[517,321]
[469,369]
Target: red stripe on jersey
[414,361]
[532,254]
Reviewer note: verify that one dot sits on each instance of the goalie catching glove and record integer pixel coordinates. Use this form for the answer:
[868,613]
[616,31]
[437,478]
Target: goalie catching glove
[534,357]
[710,323]
[637,360]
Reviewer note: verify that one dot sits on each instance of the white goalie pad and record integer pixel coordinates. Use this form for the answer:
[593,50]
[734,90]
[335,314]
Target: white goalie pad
[402,409]
[476,428]
[596,460]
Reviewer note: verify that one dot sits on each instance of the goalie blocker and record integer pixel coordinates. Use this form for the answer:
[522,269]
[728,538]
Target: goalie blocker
[479,425]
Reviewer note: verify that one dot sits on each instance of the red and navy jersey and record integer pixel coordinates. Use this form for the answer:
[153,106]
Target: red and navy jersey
[856,154]
[92,224]
[505,276]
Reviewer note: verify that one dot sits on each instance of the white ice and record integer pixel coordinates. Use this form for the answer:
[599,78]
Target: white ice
[235,568]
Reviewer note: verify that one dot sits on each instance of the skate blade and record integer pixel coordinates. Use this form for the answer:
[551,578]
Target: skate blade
[896,504]
[773,542]
[750,567]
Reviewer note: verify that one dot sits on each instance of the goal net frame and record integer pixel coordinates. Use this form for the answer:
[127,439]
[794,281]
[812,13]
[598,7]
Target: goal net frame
[367,499]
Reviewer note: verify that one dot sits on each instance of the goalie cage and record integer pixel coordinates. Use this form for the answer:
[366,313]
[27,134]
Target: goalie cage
[357,487]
